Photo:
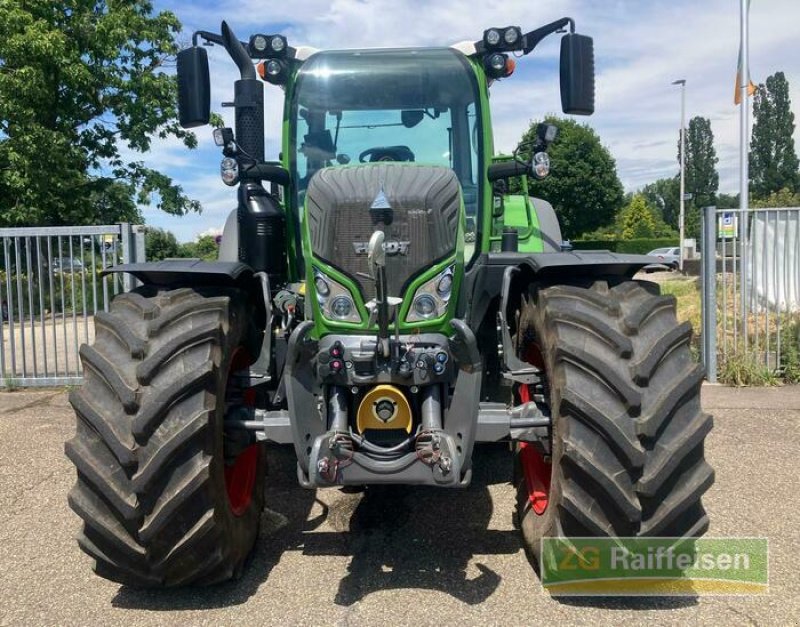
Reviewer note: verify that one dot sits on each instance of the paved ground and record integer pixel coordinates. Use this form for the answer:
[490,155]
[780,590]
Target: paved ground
[29,350]
[411,557]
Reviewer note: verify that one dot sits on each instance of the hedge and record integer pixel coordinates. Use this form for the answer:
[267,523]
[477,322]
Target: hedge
[633,246]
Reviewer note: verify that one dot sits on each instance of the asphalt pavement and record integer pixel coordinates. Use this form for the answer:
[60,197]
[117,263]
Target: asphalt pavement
[401,556]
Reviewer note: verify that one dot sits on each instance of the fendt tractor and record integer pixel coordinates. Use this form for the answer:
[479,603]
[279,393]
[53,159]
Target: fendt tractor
[382,303]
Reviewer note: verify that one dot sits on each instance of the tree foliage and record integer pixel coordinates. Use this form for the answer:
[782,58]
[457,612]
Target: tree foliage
[773,159]
[664,194]
[638,219]
[82,87]
[160,244]
[204,247]
[583,185]
[702,179]
[782,198]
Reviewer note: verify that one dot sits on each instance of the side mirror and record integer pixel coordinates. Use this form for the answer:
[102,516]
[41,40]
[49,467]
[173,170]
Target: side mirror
[411,117]
[376,255]
[194,87]
[577,74]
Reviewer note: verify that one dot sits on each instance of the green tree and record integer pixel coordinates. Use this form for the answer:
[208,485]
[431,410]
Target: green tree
[702,179]
[82,84]
[636,221]
[111,202]
[727,201]
[782,198]
[205,248]
[583,185]
[160,244]
[773,159]
[664,195]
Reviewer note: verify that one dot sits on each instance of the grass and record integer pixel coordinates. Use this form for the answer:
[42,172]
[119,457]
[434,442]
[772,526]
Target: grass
[687,292]
[736,366]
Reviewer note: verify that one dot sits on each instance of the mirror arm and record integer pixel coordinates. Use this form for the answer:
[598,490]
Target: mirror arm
[210,38]
[531,40]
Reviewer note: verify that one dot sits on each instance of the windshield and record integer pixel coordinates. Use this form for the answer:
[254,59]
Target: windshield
[387,105]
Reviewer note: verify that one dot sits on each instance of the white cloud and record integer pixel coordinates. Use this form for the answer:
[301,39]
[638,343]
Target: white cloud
[640,48]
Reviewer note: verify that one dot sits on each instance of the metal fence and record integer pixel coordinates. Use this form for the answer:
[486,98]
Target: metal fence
[51,287]
[751,287]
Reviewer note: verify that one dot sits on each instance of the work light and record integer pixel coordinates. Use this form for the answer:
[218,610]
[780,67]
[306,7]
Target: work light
[222,136]
[491,37]
[259,43]
[277,43]
[267,46]
[512,35]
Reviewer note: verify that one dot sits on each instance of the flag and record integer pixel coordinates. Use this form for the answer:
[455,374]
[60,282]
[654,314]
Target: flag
[751,88]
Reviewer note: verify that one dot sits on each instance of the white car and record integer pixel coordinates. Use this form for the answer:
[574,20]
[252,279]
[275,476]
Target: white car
[669,257]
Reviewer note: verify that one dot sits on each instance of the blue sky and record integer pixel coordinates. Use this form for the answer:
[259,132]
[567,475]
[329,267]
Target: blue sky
[640,48]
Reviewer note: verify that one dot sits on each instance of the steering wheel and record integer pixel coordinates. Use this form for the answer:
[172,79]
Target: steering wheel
[386,153]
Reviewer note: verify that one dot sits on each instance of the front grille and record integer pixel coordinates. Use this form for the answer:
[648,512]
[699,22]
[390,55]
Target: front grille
[420,224]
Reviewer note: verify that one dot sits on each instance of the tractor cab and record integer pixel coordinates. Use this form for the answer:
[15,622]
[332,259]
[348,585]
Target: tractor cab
[418,106]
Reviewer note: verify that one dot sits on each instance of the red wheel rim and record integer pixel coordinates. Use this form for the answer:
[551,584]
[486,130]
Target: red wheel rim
[535,469]
[240,478]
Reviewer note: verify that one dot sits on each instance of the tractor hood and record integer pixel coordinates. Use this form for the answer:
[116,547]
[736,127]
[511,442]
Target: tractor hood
[416,206]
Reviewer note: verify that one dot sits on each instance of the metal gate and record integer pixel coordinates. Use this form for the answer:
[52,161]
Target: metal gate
[751,288]
[51,287]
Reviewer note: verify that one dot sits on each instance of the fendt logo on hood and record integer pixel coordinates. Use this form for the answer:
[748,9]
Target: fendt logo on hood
[391,247]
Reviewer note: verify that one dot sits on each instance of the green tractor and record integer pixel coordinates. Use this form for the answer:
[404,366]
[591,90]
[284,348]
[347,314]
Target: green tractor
[381,304]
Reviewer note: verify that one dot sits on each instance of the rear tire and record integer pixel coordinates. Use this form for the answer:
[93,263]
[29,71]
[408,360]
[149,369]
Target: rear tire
[149,452]
[628,432]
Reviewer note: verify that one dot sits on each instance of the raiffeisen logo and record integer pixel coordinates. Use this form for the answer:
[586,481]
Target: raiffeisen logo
[655,566]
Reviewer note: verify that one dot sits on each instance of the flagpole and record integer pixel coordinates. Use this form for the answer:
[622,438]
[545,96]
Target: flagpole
[681,215]
[744,186]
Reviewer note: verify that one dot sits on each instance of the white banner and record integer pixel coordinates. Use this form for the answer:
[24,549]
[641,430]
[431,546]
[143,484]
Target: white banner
[773,276]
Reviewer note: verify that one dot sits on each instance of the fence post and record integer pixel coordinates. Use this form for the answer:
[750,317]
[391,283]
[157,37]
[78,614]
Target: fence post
[139,250]
[709,287]
[127,254]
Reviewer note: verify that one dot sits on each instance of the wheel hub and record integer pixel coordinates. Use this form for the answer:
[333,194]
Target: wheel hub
[240,475]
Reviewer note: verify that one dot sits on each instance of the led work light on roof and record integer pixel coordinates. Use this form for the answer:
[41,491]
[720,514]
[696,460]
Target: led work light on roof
[491,37]
[277,43]
[512,35]
[267,46]
[508,38]
[258,43]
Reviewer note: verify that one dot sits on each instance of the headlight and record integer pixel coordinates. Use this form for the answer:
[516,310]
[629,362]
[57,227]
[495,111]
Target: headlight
[432,297]
[425,306]
[335,300]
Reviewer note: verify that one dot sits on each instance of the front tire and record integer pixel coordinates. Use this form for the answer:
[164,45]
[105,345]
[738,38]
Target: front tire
[626,453]
[164,498]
